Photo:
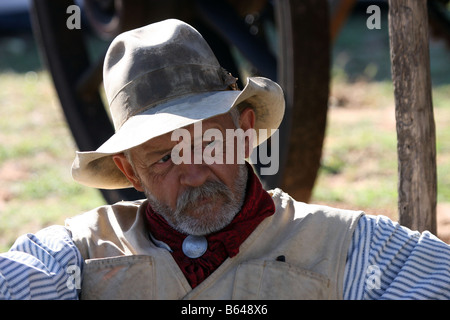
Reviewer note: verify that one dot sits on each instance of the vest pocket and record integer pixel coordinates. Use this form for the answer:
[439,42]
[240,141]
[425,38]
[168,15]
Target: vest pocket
[123,277]
[278,280]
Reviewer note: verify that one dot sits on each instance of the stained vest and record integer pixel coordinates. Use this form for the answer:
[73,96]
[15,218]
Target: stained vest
[298,253]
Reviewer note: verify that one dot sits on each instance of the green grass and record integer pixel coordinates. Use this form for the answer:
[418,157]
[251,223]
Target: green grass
[37,150]
[359,164]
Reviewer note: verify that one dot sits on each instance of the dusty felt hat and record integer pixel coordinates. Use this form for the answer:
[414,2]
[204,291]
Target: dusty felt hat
[162,77]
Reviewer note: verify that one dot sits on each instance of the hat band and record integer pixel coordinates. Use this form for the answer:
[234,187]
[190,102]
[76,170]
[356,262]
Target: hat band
[139,95]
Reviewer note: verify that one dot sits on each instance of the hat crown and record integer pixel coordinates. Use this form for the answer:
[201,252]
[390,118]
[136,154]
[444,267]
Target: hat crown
[156,63]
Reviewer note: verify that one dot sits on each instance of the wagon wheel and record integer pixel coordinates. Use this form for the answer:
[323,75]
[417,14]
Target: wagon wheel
[301,66]
[439,19]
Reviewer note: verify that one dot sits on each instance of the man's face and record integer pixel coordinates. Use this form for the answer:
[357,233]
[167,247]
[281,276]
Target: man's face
[194,198]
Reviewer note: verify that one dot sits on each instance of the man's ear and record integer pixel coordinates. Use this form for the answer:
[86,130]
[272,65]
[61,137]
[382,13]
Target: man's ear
[127,169]
[247,122]
[247,119]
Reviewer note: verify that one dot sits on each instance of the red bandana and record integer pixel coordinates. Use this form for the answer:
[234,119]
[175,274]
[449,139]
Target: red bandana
[225,243]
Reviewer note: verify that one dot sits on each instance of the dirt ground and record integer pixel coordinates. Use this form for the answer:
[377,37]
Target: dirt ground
[358,102]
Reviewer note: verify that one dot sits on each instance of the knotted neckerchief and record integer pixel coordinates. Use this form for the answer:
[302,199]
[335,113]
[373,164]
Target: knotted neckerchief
[258,205]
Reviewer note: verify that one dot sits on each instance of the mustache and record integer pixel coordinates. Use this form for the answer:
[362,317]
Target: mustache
[209,190]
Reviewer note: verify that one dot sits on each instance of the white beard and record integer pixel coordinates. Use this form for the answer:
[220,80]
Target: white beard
[205,220]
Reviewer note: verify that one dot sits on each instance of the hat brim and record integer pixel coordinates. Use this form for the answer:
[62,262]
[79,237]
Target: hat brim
[97,168]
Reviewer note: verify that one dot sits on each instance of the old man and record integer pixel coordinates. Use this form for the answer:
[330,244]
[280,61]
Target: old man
[207,228]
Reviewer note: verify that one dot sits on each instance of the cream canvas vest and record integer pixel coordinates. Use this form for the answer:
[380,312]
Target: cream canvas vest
[298,253]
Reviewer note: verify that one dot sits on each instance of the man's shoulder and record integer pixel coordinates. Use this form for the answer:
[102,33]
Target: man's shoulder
[123,212]
[284,202]
[308,220]
[118,208]
[104,223]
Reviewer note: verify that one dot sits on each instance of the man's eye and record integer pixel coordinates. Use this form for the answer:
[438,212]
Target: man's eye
[164,159]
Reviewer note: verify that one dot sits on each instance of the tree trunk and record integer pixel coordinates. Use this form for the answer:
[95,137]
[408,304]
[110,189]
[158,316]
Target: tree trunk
[417,188]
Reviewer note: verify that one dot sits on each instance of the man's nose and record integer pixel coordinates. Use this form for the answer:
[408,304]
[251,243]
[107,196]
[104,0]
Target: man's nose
[193,175]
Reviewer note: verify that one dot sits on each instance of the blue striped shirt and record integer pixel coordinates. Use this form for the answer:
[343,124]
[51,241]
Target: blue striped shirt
[40,266]
[385,261]
[388,261]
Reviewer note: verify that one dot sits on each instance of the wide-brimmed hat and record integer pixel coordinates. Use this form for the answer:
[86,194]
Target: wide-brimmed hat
[162,77]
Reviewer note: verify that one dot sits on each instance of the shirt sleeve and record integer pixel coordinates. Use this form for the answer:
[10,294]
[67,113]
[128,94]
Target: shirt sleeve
[46,266]
[389,261]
